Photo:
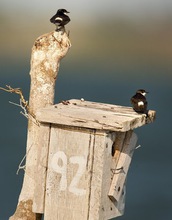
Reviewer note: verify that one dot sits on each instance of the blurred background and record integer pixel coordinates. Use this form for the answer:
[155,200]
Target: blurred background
[117,47]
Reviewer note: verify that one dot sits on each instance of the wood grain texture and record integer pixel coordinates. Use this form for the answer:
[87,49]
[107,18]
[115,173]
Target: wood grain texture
[47,52]
[41,169]
[101,207]
[88,200]
[64,201]
[124,160]
[94,115]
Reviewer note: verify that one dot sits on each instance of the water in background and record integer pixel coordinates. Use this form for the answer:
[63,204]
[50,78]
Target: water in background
[149,194]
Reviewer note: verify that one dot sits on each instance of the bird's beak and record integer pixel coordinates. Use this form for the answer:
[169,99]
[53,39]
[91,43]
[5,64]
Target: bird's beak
[67,12]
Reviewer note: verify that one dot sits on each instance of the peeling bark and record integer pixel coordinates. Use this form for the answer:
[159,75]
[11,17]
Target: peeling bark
[24,211]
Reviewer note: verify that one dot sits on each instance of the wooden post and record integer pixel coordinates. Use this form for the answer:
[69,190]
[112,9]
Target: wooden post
[47,52]
[90,148]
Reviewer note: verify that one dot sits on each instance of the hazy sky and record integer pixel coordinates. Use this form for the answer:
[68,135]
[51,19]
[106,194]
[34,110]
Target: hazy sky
[87,8]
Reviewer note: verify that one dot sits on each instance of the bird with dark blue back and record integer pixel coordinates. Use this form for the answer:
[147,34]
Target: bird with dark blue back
[139,102]
[60,19]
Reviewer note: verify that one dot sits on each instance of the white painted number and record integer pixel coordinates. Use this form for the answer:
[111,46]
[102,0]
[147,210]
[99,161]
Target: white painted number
[73,186]
[59,164]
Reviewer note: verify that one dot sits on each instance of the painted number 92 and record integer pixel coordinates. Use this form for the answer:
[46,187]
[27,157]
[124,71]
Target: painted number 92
[59,164]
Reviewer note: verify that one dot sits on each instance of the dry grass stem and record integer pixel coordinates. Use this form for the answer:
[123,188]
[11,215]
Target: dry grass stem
[23,103]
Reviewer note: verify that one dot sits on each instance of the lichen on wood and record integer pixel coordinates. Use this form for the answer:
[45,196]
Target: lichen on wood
[24,212]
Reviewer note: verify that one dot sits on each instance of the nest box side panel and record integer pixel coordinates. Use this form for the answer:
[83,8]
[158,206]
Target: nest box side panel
[123,163]
[69,173]
[42,161]
[101,206]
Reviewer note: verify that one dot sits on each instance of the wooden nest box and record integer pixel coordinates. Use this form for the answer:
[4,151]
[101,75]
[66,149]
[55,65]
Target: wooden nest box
[85,152]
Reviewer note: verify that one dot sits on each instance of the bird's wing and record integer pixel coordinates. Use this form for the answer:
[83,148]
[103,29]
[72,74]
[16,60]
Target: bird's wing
[58,19]
[137,98]
[133,100]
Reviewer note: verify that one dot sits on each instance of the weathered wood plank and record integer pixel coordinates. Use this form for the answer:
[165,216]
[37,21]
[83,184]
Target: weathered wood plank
[69,174]
[41,171]
[123,164]
[88,199]
[101,207]
[117,148]
[94,115]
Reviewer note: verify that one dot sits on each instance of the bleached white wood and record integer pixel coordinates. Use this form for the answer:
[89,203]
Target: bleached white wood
[94,115]
[88,200]
[101,207]
[41,170]
[47,52]
[117,148]
[112,133]
[123,164]
[69,174]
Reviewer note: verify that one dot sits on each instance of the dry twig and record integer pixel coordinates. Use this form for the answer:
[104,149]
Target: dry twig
[25,112]
[19,92]
[23,103]
[21,165]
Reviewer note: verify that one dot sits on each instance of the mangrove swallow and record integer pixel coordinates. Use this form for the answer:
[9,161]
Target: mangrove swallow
[60,19]
[139,102]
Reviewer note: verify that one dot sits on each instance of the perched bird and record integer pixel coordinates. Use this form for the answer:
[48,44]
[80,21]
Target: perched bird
[60,19]
[139,101]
